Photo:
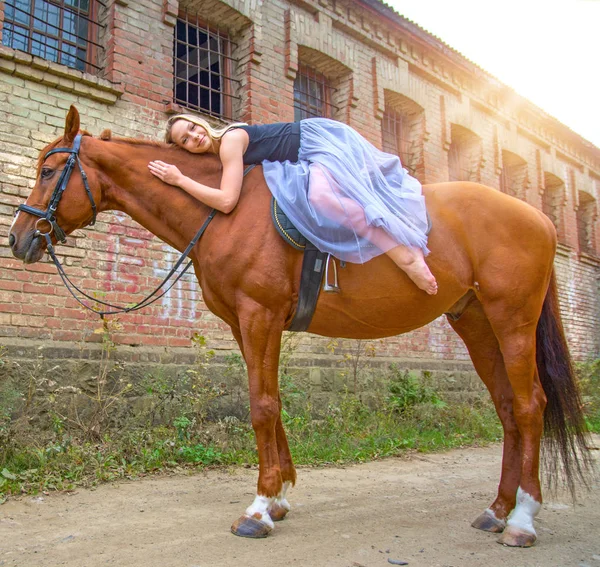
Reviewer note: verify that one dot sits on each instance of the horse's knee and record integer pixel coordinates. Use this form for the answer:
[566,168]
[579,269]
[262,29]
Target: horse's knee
[264,412]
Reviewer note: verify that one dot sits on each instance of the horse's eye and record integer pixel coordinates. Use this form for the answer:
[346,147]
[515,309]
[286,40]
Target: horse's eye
[47,173]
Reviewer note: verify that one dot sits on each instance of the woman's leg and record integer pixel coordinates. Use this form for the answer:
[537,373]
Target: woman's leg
[349,213]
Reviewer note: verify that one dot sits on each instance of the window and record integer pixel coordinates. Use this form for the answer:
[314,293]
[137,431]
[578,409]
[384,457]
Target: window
[513,178]
[553,200]
[402,134]
[62,31]
[313,94]
[464,155]
[203,68]
[586,214]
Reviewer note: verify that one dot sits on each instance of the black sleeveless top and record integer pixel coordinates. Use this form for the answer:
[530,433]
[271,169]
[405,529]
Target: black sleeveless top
[272,142]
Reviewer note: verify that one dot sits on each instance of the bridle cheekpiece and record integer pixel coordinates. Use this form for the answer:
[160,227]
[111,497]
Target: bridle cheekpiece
[49,215]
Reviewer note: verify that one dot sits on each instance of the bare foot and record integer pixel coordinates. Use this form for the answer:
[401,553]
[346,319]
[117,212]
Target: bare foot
[412,261]
[419,273]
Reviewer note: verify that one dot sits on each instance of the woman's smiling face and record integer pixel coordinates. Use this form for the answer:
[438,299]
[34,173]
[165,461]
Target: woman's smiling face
[190,137]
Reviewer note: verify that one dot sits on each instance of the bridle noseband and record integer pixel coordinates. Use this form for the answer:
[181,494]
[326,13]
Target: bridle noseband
[49,215]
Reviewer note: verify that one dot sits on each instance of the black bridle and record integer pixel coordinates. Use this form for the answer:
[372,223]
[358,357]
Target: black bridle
[49,216]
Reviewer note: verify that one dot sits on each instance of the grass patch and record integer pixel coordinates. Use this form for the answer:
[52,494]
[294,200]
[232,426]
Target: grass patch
[175,429]
[348,433]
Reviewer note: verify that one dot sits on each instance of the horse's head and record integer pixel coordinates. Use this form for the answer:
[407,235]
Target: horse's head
[62,200]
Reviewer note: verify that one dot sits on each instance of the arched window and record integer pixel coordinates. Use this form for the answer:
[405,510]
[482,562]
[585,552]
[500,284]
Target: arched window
[553,201]
[513,178]
[586,218]
[464,156]
[321,87]
[402,131]
[313,94]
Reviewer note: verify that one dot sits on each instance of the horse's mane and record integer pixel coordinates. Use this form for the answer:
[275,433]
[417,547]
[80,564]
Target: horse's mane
[107,136]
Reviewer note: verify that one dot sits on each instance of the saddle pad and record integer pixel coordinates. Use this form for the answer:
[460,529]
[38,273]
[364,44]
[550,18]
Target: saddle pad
[285,227]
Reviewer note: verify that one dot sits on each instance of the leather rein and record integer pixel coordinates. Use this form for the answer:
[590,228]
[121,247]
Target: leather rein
[49,216]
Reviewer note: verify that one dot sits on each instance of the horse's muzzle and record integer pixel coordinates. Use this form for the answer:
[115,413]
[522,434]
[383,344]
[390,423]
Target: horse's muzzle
[29,248]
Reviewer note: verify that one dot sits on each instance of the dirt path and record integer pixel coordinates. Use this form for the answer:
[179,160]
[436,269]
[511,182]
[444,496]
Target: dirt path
[416,510]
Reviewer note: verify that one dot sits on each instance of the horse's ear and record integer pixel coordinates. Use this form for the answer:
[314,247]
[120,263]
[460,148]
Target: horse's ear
[106,134]
[71,125]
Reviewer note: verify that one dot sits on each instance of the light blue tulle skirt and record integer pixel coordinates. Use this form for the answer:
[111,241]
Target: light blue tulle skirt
[346,196]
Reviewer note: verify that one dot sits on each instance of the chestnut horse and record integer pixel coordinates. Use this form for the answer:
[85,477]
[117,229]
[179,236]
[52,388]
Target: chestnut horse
[492,256]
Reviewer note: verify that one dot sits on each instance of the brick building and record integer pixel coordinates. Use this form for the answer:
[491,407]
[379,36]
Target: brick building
[127,65]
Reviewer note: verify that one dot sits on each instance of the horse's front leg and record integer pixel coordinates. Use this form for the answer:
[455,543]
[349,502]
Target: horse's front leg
[280,506]
[260,336]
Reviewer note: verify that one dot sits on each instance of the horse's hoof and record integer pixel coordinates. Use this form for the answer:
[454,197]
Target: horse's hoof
[277,512]
[247,526]
[515,537]
[489,523]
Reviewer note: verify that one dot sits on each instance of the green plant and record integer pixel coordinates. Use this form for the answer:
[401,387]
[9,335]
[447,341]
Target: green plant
[355,355]
[200,454]
[172,428]
[109,390]
[406,390]
[11,398]
[589,380]
[236,377]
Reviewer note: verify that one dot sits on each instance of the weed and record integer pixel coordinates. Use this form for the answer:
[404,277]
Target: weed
[108,391]
[354,358]
[589,380]
[171,427]
[406,390]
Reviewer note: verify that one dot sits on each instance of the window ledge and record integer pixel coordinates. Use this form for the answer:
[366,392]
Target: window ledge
[26,66]
[590,259]
[563,250]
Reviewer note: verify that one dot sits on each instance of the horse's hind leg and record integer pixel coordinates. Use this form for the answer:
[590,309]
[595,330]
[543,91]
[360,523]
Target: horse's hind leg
[514,323]
[478,336]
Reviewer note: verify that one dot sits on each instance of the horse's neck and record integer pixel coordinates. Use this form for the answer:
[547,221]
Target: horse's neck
[166,211]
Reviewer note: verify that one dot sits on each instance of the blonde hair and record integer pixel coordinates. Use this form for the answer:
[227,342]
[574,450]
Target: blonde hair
[215,133]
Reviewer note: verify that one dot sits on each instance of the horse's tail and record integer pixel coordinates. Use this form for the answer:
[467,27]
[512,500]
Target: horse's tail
[565,432]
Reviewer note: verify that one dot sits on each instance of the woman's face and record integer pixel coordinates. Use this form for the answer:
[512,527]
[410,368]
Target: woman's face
[190,136]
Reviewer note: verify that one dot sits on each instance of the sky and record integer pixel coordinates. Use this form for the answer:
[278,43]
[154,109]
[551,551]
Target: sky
[547,50]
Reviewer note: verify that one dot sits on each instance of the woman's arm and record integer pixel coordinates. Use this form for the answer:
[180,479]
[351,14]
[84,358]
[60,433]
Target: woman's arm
[226,197]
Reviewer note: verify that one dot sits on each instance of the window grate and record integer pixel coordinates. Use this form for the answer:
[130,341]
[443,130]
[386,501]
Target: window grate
[585,223]
[62,31]
[396,137]
[312,94]
[203,68]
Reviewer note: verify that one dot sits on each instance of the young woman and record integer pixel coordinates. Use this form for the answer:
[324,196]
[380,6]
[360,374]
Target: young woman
[343,194]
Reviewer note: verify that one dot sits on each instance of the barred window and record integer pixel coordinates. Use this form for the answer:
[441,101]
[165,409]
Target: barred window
[513,178]
[553,200]
[586,214]
[464,155]
[312,94]
[62,31]
[203,74]
[402,137]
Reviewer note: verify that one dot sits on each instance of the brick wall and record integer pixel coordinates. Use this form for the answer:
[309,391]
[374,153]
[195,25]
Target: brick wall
[370,55]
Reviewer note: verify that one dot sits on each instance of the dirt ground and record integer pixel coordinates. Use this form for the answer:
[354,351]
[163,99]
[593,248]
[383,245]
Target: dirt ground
[415,509]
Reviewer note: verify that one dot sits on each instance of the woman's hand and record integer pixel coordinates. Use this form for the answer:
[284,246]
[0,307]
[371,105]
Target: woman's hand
[166,172]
